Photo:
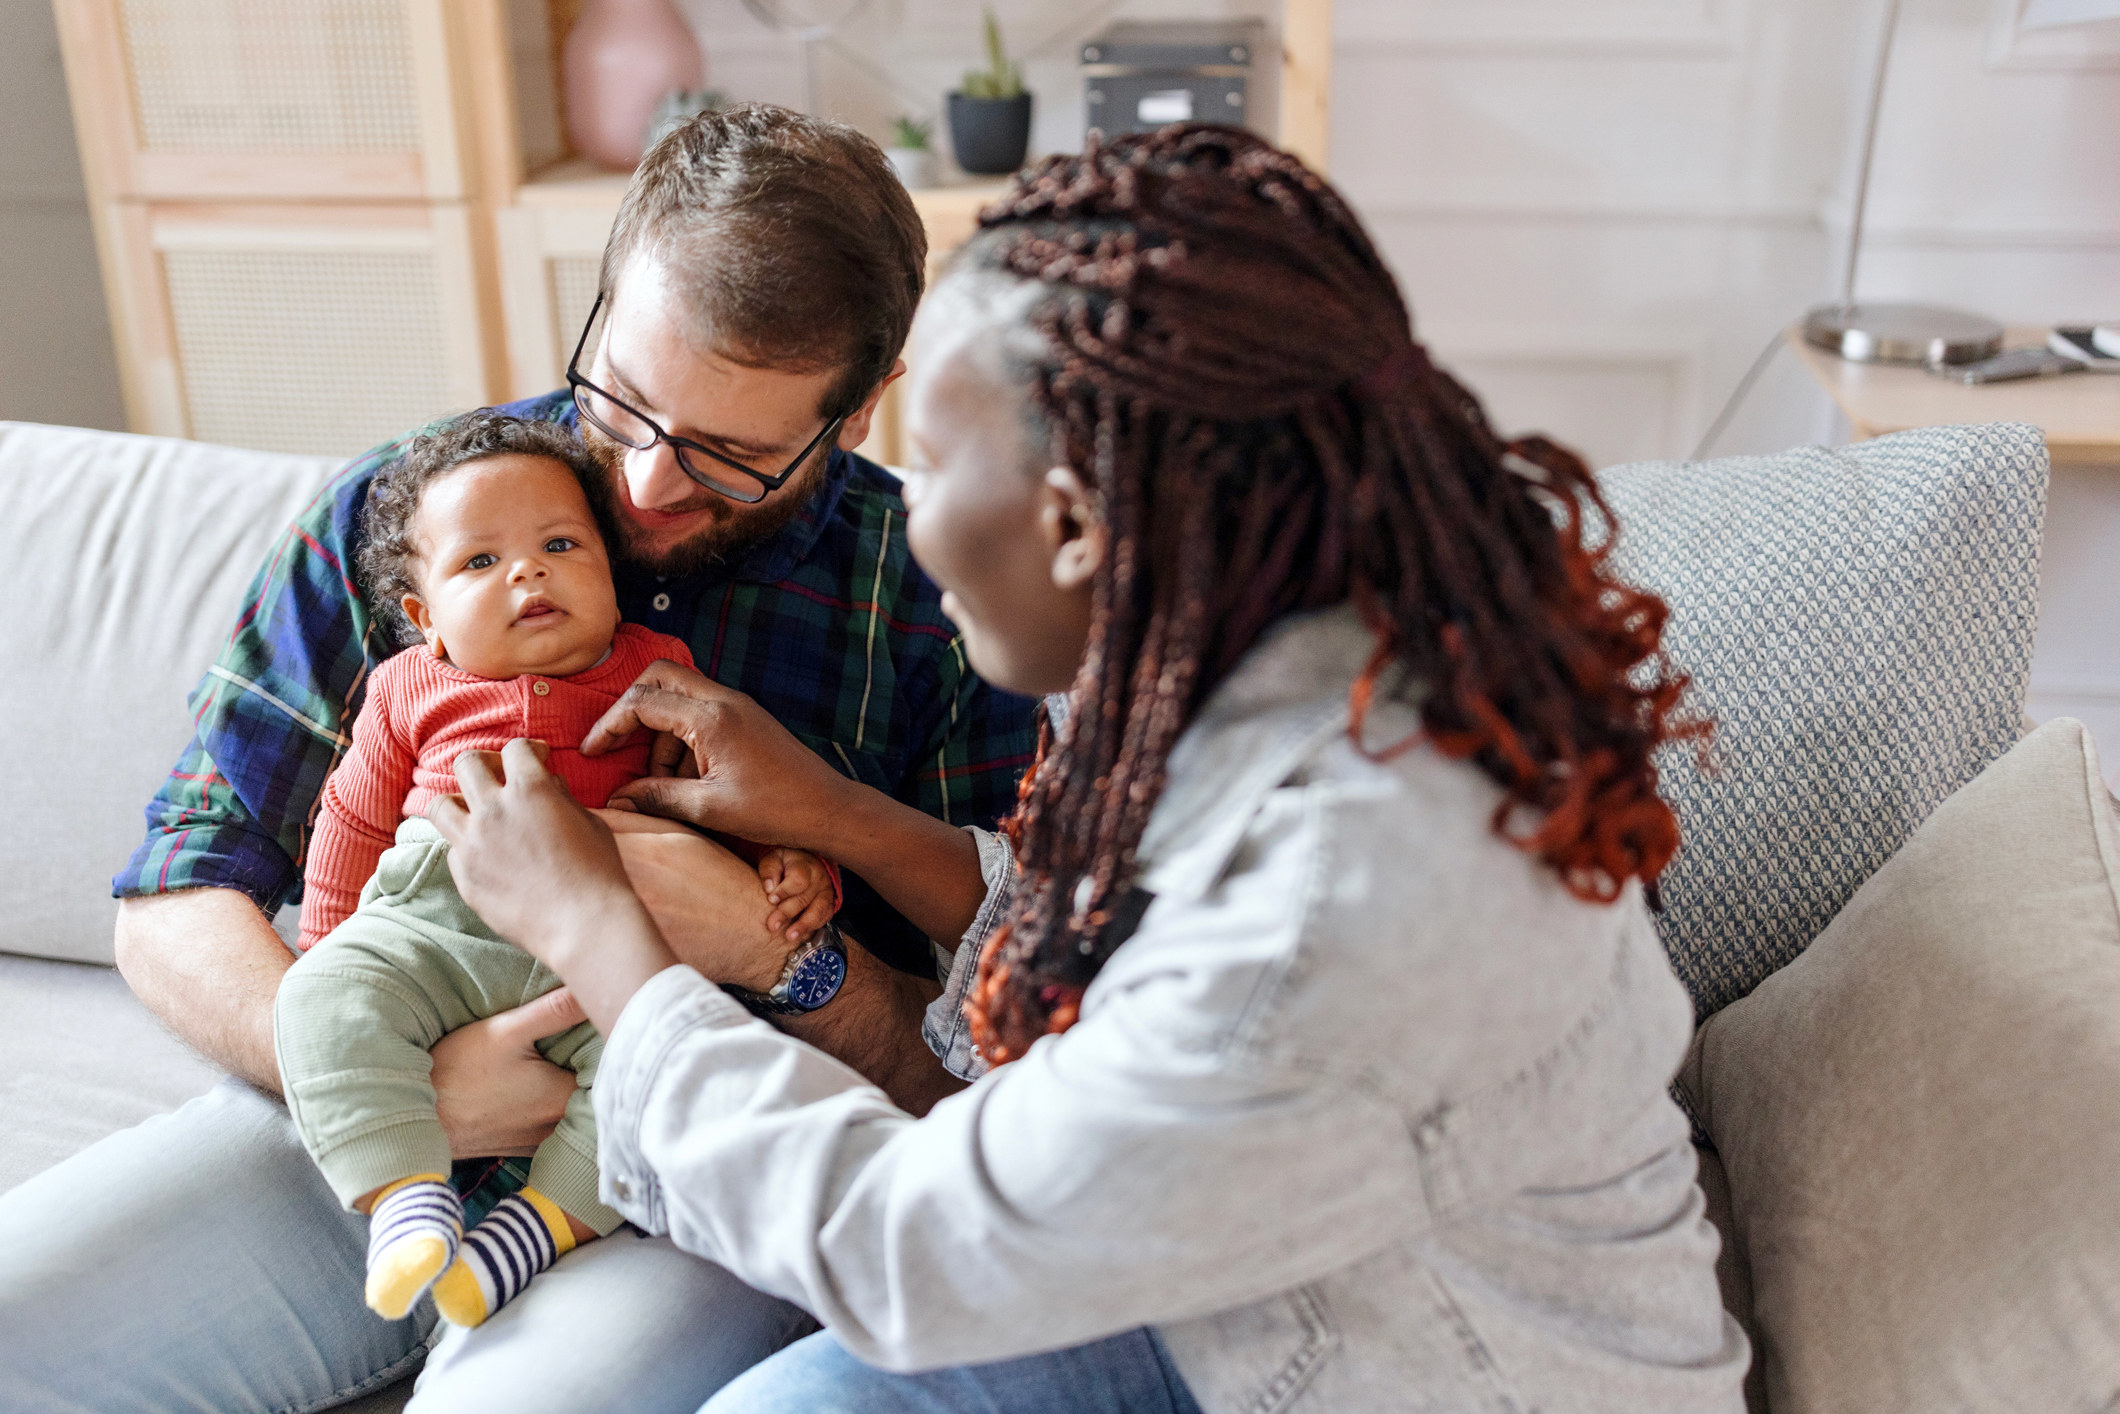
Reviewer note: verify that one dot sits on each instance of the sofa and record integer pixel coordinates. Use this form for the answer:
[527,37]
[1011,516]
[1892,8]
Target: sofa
[1897,907]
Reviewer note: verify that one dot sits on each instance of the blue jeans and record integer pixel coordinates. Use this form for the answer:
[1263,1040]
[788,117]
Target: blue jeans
[1124,1374]
[199,1261]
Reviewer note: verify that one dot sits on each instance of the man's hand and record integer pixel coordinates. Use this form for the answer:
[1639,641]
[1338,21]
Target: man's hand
[704,899]
[494,1093]
[710,906]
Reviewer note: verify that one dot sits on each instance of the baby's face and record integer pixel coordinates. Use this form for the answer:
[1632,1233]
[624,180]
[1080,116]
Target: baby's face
[513,574]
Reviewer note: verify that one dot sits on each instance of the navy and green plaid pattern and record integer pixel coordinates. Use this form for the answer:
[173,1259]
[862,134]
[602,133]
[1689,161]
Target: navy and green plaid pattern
[829,625]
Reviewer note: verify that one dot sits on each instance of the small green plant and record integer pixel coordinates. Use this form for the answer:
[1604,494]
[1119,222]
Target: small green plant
[1002,77]
[912,134]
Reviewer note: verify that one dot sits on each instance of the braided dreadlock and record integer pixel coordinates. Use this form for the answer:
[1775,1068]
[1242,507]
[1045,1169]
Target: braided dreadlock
[1231,368]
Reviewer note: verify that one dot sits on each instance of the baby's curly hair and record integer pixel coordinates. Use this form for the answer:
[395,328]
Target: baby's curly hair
[388,558]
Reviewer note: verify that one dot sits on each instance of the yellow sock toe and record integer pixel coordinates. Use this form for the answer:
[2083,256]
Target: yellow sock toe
[457,1296]
[397,1276]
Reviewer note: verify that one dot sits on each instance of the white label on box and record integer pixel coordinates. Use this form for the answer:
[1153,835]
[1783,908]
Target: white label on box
[1170,105]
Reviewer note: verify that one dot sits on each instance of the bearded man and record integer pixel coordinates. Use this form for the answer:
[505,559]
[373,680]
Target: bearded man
[755,294]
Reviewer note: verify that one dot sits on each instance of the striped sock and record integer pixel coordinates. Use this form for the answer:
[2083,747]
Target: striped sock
[413,1232]
[524,1234]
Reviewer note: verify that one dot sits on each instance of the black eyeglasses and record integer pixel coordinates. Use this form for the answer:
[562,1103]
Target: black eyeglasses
[630,427]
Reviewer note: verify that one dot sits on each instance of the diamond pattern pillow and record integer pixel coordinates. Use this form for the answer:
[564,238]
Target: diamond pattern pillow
[1859,621]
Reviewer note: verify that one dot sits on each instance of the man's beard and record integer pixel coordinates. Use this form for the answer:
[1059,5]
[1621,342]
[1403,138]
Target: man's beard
[721,540]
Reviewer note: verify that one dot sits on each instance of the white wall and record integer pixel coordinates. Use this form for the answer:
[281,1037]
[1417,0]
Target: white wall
[55,356]
[1601,210]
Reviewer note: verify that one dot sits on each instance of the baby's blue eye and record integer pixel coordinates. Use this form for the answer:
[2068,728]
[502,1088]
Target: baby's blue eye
[560,544]
[479,562]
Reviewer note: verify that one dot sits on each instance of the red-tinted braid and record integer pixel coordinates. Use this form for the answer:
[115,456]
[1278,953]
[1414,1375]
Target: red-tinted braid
[1234,374]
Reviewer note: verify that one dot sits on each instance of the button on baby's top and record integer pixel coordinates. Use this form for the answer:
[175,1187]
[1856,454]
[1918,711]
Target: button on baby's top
[421,714]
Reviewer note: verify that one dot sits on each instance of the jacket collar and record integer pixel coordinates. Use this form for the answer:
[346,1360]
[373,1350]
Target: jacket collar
[1284,701]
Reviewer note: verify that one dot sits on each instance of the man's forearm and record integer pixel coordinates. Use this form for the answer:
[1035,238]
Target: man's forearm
[208,963]
[927,870]
[873,1025]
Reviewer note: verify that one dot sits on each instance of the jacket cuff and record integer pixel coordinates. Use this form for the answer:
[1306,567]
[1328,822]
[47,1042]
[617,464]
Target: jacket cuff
[944,1028]
[674,1003]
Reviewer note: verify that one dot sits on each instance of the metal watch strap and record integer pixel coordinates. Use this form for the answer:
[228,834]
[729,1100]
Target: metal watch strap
[778,1001]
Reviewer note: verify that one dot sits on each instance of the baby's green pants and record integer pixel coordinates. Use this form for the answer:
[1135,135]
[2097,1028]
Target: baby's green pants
[357,1014]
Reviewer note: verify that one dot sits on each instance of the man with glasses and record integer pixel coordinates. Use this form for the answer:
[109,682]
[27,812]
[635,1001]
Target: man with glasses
[756,291]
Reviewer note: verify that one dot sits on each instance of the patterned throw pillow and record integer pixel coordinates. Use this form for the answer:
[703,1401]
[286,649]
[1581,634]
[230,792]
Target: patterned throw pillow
[1859,621]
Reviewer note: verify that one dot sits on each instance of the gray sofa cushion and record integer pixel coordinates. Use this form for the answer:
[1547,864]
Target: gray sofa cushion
[1920,1117]
[1859,622]
[128,557]
[94,1061]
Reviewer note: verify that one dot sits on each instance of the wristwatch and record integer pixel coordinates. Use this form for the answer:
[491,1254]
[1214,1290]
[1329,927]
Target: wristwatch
[812,977]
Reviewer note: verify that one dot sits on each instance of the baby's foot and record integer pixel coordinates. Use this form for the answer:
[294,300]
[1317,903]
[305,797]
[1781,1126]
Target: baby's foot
[413,1232]
[523,1235]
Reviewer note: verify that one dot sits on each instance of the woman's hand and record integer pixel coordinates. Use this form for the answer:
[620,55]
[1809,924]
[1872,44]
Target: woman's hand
[547,875]
[721,762]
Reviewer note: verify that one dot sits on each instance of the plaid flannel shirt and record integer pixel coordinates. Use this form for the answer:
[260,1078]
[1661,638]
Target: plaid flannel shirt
[829,625]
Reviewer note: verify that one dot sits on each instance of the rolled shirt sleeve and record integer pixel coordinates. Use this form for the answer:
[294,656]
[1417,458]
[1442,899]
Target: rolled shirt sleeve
[272,715]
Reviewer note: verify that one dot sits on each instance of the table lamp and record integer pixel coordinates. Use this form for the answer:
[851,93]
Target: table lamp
[1900,333]
[1891,332]
[1919,333]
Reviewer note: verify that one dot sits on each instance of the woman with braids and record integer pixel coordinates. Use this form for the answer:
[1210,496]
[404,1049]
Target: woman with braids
[1324,1032]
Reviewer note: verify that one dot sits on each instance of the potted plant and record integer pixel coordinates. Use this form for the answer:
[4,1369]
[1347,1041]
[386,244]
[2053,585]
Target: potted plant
[990,120]
[910,154]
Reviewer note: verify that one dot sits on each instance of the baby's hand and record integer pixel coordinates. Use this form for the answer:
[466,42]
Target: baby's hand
[799,889]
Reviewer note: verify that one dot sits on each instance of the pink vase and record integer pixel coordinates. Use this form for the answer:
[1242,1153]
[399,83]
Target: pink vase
[622,56]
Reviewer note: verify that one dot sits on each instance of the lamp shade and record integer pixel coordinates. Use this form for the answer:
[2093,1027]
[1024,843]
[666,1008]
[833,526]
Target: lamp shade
[2053,14]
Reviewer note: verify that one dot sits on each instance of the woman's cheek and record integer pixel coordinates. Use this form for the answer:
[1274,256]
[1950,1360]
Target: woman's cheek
[928,534]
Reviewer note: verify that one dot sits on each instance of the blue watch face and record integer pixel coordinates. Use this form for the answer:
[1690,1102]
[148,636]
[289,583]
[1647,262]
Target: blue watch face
[817,978]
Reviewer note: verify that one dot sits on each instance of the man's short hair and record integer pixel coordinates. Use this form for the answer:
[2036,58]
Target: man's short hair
[788,239]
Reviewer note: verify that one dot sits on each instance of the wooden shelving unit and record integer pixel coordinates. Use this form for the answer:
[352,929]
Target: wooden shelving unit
[319,225]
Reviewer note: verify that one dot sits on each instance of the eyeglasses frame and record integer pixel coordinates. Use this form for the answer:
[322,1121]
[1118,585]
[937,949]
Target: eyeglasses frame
[680,445]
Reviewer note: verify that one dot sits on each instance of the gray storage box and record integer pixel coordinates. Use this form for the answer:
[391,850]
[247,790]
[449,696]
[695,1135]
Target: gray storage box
[1139,76]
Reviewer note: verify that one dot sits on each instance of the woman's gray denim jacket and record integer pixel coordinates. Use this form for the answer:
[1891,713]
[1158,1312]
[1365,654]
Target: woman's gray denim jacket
[1369,1114]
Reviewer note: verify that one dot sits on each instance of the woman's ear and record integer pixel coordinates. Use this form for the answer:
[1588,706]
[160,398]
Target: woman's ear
[1074,532]
[416,614]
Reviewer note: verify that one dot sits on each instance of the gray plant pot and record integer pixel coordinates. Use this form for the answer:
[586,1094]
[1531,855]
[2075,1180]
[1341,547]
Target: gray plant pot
[990,135]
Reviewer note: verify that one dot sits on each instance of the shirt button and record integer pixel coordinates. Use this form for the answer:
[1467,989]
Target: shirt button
[661,602]
[541,687]
[620,1188]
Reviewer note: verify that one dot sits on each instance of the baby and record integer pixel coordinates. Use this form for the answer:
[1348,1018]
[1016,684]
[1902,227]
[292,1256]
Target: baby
[482,542]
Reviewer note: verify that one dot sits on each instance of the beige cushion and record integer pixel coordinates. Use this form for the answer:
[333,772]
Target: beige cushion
[126,561]
[1920,1117]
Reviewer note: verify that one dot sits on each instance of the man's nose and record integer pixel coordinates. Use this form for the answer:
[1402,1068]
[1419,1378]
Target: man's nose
[655,480]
